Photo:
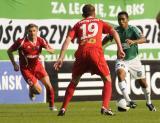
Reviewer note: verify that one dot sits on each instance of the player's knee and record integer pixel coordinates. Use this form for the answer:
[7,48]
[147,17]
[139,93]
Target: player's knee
[143,83]
[121,74]
[76,80]
[37,89]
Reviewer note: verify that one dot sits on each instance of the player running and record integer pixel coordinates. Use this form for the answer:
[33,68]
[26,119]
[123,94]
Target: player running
[130,38]
[29,49]
[89,56]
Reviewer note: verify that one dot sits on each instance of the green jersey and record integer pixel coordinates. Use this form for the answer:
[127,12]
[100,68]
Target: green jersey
[130,33]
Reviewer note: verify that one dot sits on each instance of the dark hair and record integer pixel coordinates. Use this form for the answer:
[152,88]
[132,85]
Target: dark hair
[88,10]
[31,25]
[123,13]
[158,18]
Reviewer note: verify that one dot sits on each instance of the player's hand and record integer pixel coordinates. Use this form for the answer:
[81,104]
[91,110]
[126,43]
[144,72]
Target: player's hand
[58,64]
[120,54]
[130,42]
[16,67]
[50,50]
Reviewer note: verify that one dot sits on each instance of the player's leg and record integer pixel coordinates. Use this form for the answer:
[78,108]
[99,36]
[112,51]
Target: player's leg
[42,75]
[69,94]
[34,86]
[147,94]
[121,69]
[99,66]
[138,72]
[106,91]
[145,89]
[78,69]
[34,89]
[50,92]
[106,95]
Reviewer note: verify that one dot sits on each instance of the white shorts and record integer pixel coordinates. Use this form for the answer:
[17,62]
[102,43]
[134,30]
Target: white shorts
[134,67]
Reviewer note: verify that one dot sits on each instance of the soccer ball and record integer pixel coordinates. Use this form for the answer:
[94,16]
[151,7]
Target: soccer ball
[122,105]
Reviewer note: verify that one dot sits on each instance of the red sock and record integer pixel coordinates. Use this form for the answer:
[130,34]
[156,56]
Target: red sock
[106,94]
[50,93]
[68,95]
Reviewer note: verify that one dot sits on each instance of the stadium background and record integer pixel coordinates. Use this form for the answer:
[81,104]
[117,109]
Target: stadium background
[55,18]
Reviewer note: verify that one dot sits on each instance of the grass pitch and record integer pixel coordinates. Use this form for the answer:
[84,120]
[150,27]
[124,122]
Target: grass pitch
[78,112]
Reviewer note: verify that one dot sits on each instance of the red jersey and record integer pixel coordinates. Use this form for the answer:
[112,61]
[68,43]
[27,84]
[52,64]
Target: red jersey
[28,51]
[89,32]
[89,56]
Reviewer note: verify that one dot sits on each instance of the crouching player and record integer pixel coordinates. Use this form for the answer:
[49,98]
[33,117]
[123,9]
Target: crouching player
[29,49]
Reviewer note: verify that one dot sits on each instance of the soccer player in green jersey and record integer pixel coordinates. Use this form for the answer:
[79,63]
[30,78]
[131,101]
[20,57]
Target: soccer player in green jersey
[130,38]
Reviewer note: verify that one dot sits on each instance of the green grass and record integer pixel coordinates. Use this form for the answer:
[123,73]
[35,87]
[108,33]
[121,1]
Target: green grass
[78,112]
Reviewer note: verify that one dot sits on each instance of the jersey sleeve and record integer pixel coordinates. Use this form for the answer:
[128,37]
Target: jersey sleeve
[44,43]
[106,27]
[72,33]
[137,32]
[16,45]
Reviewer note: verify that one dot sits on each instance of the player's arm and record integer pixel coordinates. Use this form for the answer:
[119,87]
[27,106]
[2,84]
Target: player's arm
[140,37]
[109,29]
[107,39]
[49,49]
[11,57]
[71,35]
[141,40]
[65,45]
[106,30]
[115,35]
[45,45]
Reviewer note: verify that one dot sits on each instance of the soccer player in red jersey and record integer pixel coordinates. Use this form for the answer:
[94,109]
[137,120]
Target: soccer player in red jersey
[89,56]
[29,49]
